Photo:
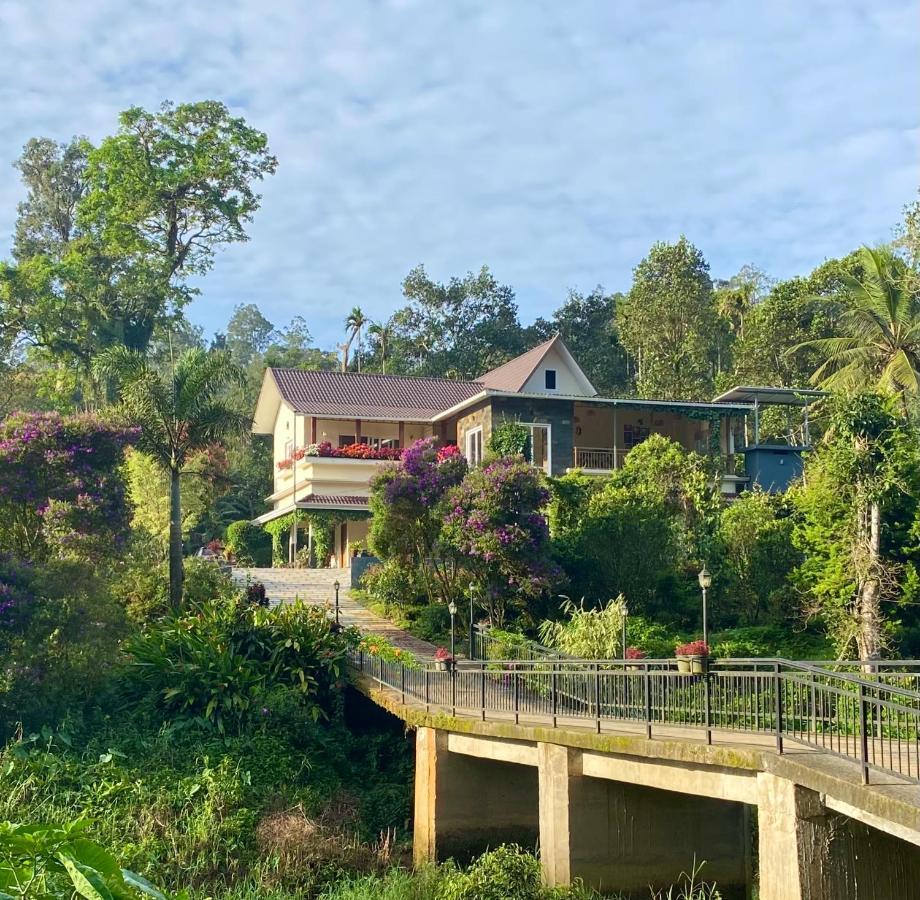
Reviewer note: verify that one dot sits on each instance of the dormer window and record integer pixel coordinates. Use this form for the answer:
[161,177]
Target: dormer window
[549,377]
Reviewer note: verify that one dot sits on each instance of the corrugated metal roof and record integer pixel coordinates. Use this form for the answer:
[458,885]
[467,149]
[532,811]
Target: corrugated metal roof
[370,396]
[513,375]
[331,501]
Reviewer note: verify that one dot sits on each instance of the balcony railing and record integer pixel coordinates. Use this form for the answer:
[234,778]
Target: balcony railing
[603,459]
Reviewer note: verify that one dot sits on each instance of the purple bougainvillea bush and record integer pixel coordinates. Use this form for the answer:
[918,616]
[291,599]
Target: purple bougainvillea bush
[62,492]
[494,521]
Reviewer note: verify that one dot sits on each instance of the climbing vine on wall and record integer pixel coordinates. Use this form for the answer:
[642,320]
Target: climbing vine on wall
[713,416]
[323,521]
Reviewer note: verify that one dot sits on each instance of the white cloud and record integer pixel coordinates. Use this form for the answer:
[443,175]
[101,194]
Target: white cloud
[554,142]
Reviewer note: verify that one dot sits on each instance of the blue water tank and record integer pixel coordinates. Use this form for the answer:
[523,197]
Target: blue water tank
[772,467]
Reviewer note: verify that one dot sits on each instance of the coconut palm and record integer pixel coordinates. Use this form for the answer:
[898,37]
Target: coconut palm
[177,415]
[879,343]
[383,331]
[355,321]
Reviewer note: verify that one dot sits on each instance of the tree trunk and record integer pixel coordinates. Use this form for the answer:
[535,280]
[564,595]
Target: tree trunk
[869,633]
[176,570]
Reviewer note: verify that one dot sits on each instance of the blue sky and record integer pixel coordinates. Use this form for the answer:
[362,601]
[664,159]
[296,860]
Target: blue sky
[554,141]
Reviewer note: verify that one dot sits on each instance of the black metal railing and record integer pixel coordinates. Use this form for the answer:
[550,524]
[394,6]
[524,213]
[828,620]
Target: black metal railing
[861,717]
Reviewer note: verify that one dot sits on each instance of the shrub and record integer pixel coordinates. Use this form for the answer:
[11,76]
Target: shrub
[54,862]
[506,871]
[510,439]
[380,648]
[392,583]
[587,633]
[58,643]
[249,544]
[220,662]
[255,593]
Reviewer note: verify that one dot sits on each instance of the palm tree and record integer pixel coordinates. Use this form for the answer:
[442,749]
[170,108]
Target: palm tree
[177,416]
[879,343]
[355,322]
[384,333]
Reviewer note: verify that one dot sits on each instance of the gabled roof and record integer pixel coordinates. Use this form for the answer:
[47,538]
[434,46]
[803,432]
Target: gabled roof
[363,396]
[514,374]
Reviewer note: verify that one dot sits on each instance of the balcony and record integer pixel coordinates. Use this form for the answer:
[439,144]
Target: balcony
[598,459]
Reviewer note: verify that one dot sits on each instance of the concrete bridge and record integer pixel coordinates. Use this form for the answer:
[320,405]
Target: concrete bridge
[623,773]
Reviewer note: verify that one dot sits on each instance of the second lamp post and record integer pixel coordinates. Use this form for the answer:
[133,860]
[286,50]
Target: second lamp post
[705,579]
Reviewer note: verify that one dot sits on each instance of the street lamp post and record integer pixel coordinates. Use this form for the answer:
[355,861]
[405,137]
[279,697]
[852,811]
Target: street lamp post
[337,586]
[452,609]
[472,594]
[705,579]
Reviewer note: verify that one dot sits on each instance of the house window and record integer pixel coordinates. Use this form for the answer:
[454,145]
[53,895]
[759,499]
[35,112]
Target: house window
[289,450]
[474,446]
[550,379]
[634,434]
[346,439]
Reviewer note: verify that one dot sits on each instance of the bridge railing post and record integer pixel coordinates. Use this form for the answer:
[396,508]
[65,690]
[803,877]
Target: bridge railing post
[778,691]
[517,697]
[482,685]
[554,695]
[647,690]
[707,700]
[402,683]
[597,696]
[427,689]
[863,735]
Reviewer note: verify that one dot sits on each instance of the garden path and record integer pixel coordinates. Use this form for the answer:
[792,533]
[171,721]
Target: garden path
[317,587]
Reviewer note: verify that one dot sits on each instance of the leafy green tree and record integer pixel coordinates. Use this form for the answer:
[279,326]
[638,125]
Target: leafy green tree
[178,417]
[878,345]
[460,329]
[852,499]
[108,237]
[382,333]
[249,333]
[586,324]
[753,560]
[668,323]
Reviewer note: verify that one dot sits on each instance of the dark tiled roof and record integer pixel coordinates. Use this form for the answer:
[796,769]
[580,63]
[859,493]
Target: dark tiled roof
[514,374]
[370,396]
[331,501]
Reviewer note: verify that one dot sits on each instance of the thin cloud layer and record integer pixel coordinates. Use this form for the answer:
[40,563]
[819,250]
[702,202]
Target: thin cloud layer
[553,141]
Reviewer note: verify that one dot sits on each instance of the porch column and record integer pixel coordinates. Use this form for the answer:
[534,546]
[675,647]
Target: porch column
[357,431]
[312,429]
[616,463]
[292,544]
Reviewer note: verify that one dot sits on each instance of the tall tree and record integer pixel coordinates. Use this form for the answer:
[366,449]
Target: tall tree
[249,333]
[108,237]
[383,332]
[178,416]
[668,323]
[354,322]
[878,345]
[464,327]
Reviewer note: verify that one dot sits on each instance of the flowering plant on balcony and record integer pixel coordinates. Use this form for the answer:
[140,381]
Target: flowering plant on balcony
[285,464]
[694,648]
[351,451]
[634,653]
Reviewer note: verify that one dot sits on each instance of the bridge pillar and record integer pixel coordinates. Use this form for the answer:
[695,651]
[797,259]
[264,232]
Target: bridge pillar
[623,837]
[465,804]
[808,852]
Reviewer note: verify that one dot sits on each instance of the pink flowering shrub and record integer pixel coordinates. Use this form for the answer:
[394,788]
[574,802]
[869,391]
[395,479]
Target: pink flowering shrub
[494,522]
[61,488]
[634,653]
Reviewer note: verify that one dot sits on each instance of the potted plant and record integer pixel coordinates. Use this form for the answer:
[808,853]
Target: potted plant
[693,657]
[636,654]
[443,659]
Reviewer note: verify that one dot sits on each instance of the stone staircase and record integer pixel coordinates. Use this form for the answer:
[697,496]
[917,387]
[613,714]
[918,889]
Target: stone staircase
[315,586]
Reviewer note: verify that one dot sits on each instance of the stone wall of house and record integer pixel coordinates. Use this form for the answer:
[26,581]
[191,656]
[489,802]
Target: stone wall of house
[473,418]
[558,414]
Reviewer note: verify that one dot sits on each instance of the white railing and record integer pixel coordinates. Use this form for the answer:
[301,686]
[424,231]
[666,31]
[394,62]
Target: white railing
[598,458]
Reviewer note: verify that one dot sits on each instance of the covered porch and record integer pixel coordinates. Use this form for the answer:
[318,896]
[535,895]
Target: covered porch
[329,532]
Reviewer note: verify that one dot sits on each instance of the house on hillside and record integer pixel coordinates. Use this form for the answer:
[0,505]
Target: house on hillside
[365,420]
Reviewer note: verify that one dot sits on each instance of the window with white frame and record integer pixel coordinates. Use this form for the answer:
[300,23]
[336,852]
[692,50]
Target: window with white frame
[540,447]
[474,446]
[549,379]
